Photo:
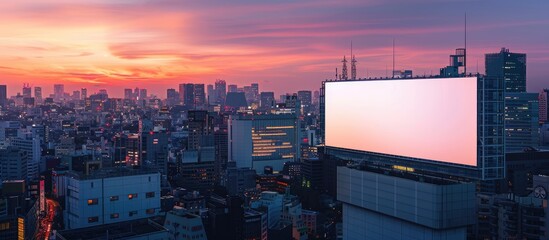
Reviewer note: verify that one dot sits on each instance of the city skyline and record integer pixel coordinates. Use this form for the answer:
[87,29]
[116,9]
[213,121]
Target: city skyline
[115,44]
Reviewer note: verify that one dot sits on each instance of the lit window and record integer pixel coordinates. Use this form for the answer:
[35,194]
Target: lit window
[132,196]
[93,219]
[150,195]
[93,201]
[114,215]
[114,198]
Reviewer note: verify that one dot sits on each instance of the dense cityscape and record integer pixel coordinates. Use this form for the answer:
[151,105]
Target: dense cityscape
[460,153]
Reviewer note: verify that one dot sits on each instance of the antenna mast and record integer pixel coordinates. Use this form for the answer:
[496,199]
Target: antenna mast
[393,73]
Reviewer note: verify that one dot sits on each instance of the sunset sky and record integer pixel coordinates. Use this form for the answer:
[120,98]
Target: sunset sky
[283,45]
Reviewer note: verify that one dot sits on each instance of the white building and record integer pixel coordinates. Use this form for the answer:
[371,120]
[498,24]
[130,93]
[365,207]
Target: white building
[183,225]
[110,195]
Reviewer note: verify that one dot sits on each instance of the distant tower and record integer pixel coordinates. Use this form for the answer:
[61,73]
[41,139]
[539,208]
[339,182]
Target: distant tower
[344,72]
[353,68]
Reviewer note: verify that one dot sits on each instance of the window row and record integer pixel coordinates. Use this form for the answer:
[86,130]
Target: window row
[95,201]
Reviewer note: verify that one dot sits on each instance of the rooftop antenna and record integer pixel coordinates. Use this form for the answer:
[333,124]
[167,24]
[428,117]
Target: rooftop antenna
[344,71]
[336,74]
[353,64]
[393,73]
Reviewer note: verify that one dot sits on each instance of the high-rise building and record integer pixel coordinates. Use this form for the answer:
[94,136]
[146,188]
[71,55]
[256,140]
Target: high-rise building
[31,146]
[3,95]
[187,95]
[509,66]
[142,94]
[255,91]
[221,91]
[306,99]
[76,95]
[38,94]
[267,100]
[154,150]
[172,97]
[58,92]
[521,121]
[200,124]
[232,88]
[27,91]
[13,163]
[84,93]
[128,93]
[257,141]
[111,195]
[544,106]
[199,95]
[212,95]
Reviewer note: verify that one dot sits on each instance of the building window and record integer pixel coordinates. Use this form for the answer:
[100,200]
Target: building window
[149,178]
[91,184]
[93,201]
[150,211]
[132,213]
[132,196]
[150,195]
[114,215]
[114,198]
[93,219]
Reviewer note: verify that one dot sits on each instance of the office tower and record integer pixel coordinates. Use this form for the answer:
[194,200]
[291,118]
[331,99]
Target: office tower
[425,191]
[255,92]
[58,91]
[181,222]
[27,90]
[13,163]
[212,95]
[19,214]
[232,88]
[249,94]
[38,94]
[76,95]
[544,106]
[305,97]
[257,141]
[172,97]
[509,66]
[154,150]
[200,124]
[199,95]
[267,100]
[84,93]
[133,150]
[186,94]
[235,101]
[128,93]
[293,103]
[196,168]
[521,121]
[135,94]
[30,145]
[255,225]
[142,94]
[3,95]
[111,195]
[221,91]
[240,180]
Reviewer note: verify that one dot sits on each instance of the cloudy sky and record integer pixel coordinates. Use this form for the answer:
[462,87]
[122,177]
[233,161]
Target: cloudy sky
[284,45]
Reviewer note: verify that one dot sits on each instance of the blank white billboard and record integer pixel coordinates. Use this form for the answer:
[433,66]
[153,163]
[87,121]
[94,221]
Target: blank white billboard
[431,119]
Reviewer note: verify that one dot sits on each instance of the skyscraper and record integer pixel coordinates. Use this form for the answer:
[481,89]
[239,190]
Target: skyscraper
[212,96]
[3,95]
[84,93]
[27,90]
[255,91]
[509,66]
[544,106]
[38,94]
[172,97]
[186,94]
[306,101]
[128,93]
[221,90]
[521,121]
[266,100]
[58,91]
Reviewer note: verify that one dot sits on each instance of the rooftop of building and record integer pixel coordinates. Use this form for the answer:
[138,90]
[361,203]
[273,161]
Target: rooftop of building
[122,230]
[263,116]
[111,173]
[406,173]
